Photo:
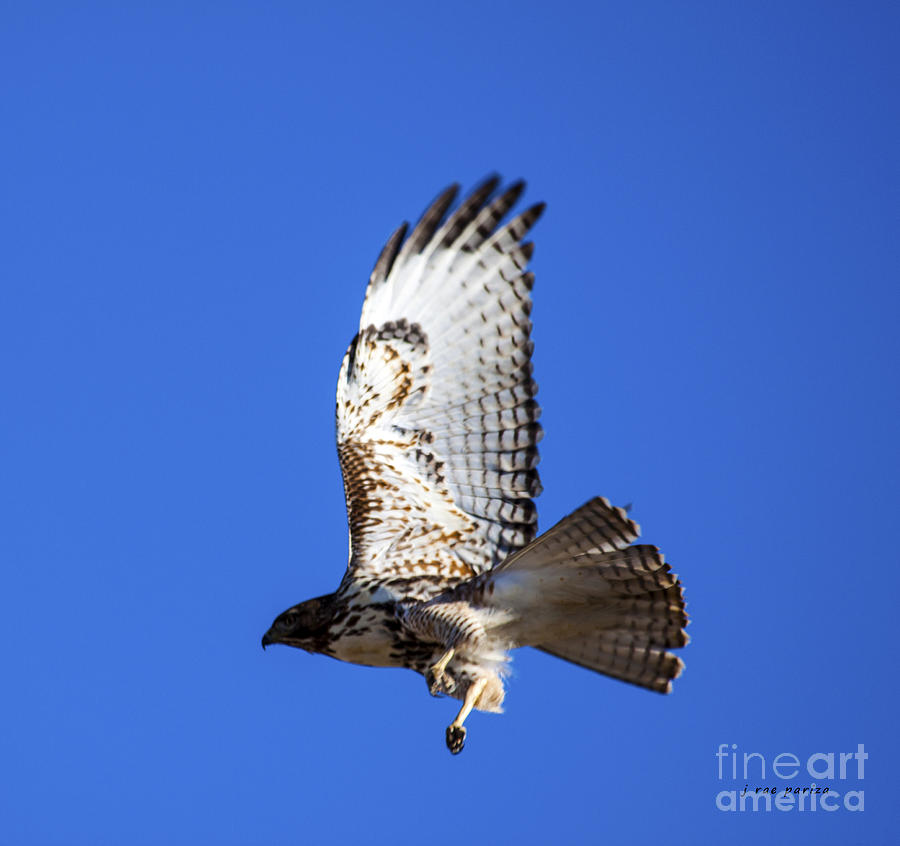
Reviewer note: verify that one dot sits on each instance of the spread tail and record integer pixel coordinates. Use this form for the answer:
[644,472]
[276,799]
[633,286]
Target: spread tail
[583,591]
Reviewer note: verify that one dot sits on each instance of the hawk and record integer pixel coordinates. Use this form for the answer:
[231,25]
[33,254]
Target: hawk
[437,434]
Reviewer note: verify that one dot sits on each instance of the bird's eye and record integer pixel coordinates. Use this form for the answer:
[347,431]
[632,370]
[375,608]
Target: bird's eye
[289,620]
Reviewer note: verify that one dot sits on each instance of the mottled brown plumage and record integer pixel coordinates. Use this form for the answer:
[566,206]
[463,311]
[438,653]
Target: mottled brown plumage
[437,433]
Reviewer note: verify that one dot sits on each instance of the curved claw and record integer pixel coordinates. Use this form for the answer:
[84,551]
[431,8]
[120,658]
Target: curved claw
[439,682]
[456,734]
[456,739]
[436,676]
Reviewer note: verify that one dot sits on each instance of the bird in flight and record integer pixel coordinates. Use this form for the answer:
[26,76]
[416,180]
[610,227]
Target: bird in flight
[437,434]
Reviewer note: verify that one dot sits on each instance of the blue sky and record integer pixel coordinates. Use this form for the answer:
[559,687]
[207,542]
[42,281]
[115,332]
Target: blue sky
[192,198]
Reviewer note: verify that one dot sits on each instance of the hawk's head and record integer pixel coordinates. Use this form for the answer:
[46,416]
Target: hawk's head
[305,625]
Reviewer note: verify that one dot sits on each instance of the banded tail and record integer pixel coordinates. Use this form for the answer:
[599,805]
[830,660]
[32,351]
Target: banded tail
[583,591]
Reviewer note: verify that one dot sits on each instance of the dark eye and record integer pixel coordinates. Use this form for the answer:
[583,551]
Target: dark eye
[290,619]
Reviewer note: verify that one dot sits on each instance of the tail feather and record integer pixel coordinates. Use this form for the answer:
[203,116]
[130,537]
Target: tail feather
[645,666]
[595,527]
[585,593]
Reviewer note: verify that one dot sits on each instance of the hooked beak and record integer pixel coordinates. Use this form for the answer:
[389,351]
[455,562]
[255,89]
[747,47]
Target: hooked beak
[267,639]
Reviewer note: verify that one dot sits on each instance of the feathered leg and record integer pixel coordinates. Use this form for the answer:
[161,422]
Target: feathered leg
[449,624]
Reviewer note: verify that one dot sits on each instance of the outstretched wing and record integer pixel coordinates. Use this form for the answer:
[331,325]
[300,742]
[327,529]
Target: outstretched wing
[437,426]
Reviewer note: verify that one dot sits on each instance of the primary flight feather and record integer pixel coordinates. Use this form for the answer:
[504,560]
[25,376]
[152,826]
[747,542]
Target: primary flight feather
[437,438]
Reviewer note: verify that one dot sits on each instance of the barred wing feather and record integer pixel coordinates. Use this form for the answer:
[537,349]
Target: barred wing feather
[436,418]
